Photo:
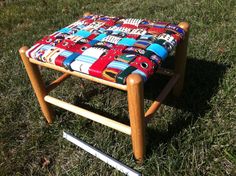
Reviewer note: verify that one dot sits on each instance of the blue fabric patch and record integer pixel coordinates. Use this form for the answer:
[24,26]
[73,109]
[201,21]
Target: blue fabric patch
[82,33]
[87,59]
[102,30]
[66,53]
[100,37]
[69,60]
[158,50]
[93,42]
[127,42]
[46,47]
[180,31]
[144,22]
[118,25]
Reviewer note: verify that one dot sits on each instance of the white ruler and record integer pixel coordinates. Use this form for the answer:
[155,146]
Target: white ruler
[102,156]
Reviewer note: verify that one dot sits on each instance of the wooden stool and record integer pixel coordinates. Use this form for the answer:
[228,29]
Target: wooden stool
[133,85]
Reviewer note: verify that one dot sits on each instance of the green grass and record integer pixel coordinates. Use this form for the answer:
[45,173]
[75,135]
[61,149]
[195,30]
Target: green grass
[192,135]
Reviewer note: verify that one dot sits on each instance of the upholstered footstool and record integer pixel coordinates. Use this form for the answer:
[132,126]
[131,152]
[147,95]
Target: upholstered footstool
[115,51]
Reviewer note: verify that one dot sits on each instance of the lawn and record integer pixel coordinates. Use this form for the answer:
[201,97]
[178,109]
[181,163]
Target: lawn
[194,134]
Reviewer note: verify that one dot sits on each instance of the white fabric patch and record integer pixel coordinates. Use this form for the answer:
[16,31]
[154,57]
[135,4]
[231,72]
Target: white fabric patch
[48,53]
[80,66]
[120,29]
[111,39]
[94,25]
[133,21]
[168,38]
[54,55]
[138,31]
[94,52]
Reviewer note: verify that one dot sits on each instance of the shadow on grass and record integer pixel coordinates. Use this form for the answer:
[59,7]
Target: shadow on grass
[201,84]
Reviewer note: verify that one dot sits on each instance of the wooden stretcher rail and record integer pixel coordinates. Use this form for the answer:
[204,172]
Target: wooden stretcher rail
[57,82]
[78,74]
[89,115]
[157,103]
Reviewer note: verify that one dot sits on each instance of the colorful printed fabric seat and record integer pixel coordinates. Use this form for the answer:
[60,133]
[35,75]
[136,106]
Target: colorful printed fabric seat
[109,48]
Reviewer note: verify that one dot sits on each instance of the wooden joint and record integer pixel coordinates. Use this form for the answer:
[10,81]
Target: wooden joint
[57,82]
[37,84]
[184,25]
[87,14]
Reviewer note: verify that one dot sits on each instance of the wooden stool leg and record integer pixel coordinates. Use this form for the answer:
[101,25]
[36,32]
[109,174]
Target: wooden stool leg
[37,83]
[180,59]
[136,113]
